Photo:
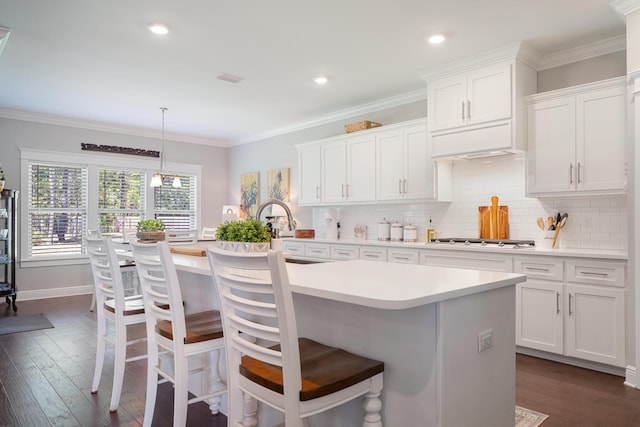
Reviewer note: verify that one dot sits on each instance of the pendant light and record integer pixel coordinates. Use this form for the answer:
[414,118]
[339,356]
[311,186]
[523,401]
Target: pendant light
[158,177]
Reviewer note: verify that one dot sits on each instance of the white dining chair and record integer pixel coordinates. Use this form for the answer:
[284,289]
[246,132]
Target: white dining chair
[115,307]
[169,329]
[266,359]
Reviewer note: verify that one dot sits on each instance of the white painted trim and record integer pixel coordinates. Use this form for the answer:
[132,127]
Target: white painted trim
[625,7]
[51,119]
[631,377]
[594,366]
[390,102]
[580,53]
[54,293]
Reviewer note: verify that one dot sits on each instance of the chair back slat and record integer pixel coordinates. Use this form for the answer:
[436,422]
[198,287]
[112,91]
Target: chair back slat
[257,351]
[160,287]
[107,279]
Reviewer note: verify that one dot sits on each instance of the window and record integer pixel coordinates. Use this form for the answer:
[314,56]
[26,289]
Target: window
[97,192]
[121,195]
[57,209]
[176,207]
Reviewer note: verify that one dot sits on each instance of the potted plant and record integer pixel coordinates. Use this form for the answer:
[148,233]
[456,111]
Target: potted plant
[150,230]
[249,235]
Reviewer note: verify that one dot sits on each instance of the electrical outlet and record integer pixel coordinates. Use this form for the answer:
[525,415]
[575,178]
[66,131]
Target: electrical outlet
[485,340]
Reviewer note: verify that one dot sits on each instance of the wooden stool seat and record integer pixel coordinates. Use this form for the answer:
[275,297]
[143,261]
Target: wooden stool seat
[203,326]
[324,370]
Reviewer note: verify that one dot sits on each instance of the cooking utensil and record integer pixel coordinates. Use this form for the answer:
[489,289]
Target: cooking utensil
[551,224]
[540,222]
[559,225]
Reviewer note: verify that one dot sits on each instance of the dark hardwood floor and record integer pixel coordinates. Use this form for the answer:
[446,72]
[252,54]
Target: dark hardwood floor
[45,379]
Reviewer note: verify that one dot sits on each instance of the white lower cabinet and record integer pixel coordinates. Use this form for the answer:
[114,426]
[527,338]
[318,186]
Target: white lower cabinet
[403,256]
[373,253]
[558,315]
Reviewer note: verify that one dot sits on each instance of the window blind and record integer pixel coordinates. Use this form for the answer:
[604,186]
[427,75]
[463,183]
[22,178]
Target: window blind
[120,200]
[176,207]
[57,209]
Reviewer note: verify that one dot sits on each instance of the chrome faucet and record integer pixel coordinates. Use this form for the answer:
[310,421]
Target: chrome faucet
[292,223]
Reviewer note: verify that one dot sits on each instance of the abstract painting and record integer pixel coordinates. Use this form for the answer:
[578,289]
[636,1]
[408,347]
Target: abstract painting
[278,184]
[249,194]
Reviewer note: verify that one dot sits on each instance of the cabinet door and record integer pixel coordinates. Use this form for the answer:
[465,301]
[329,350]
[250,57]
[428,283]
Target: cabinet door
[419,169]
[309,175]
[334,172]
[600,135]
[447,103]
[361,169]
[390,150]
[595,324]
[489,94]
[539,322]
[551,136]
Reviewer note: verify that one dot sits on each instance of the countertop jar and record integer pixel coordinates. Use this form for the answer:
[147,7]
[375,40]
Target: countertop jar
[384,229]
[410,233]
[396,232]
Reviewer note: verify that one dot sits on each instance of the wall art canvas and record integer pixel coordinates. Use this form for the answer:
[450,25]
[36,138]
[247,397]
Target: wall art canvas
[249,194]
[277,186]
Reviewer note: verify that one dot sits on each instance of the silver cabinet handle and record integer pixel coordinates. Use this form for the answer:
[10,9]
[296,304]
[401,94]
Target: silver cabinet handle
[399,186]
[557,302]
[468,110]
[570,173]
[342,190]
[317,191]
[594,273]
[404,185]
[541,269]
[462,110]
[579,170]
[347,186]
[570,312]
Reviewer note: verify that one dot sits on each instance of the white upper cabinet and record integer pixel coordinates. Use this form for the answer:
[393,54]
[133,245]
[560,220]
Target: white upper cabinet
[389,163]
[576,140]
[479,111]
[404,169]
[348,170]
[309,175]
[475,97]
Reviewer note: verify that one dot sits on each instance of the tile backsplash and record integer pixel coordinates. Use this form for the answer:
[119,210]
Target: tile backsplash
[594,222]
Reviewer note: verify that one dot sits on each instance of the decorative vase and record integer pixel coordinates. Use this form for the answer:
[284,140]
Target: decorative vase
[150,236]
[243,246]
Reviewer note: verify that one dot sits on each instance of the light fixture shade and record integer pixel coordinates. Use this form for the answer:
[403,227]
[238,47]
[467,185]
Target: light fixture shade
[156,180]
[176,182]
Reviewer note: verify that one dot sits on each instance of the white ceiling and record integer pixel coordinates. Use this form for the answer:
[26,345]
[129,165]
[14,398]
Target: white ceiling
[97,62]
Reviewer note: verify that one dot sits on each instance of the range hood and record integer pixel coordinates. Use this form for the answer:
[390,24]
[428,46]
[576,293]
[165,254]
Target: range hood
[490,141]
[480,155]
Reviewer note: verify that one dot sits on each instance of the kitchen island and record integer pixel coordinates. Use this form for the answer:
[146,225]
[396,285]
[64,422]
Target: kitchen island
[424,322]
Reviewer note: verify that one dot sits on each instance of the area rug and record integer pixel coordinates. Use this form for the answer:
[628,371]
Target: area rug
[528,418]
[32,322]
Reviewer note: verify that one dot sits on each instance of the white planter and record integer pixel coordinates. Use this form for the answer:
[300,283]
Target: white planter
[243,246]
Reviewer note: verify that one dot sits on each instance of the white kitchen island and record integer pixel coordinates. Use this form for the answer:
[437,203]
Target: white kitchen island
[422,321]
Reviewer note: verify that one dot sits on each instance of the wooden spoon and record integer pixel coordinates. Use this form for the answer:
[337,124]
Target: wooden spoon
[540,223]
[559,225]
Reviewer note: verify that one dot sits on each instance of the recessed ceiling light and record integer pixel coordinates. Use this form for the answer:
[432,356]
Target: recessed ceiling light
[436,38]
[159,28]
[321,80]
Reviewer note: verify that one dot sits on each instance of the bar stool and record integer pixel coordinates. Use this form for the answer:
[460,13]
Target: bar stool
[170,330]
[115,307]
[267,360]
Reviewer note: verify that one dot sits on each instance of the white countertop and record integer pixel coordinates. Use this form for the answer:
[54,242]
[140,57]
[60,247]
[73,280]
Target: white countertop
[374,284]
[564,252]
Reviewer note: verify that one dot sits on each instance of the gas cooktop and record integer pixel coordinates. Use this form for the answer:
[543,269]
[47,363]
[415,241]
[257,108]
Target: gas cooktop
[486,242]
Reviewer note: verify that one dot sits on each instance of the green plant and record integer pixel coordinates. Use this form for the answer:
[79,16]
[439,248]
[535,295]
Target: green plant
[150,225]
[248,230]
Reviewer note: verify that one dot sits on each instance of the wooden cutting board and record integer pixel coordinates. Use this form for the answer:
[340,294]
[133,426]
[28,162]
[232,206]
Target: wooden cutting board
[493,221]
[188,250]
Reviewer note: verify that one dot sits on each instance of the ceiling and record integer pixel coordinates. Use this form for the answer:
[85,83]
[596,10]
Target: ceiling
[97,62]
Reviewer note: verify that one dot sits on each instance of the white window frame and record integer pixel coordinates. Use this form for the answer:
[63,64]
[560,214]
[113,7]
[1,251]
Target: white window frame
[93,162]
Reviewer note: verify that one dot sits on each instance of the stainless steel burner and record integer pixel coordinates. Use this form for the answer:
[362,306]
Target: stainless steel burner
[486,242]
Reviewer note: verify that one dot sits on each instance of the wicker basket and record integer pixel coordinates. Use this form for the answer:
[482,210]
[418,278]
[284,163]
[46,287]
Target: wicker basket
[363,125]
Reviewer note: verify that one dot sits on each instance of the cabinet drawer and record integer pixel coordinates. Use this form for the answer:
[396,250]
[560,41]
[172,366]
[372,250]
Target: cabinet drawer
[317,251]
[294,248]
[467,260]
[603,273]
[373,254]
[540,268]
[345,252]
[403,256]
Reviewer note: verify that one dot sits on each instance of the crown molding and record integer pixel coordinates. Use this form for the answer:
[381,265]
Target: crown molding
[51,119]
[580,53]
[382,104]
[625,7]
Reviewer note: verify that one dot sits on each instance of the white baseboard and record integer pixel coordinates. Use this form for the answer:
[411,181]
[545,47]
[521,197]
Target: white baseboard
[631,377]
[54,293]
[594,366]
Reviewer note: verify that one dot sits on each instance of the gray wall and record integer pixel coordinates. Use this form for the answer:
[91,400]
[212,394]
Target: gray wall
[17,134]
[587,71]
